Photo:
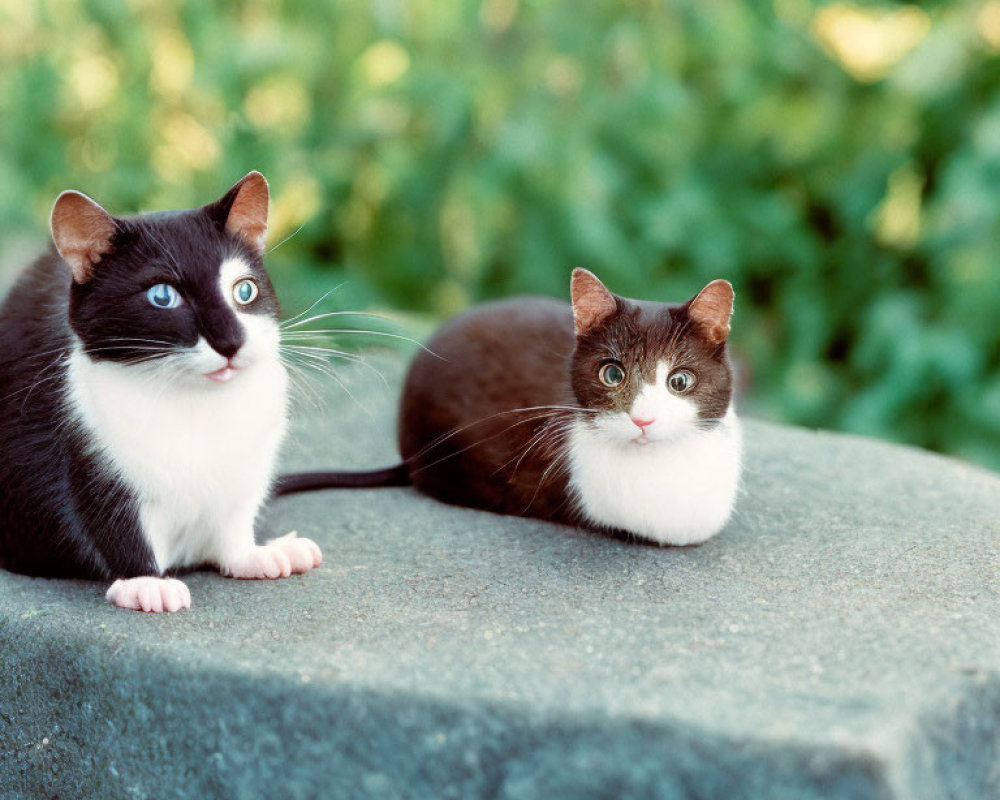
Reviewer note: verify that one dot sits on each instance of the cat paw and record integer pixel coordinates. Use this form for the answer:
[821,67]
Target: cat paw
[150,594]
[279,558]
[303,554]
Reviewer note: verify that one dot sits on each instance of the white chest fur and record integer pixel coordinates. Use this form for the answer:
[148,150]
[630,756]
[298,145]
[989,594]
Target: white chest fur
[200,459]
[674,492]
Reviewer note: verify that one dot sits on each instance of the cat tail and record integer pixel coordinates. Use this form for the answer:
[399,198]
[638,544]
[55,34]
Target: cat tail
[398,475]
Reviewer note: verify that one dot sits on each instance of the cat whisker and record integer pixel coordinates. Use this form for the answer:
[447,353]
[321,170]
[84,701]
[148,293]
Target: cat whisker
[560,464]
[461,429]
[305,333]
[556,440]
[519,457]
[544,432]
[301,384]
[440,440]
[314,363]
[119,346]
[295,323]
[476,443]
[316,303]
[383,381]
[39,380]
[138,339]
[315,348]
[350,393]
[320,364]
[400,337]
[322,353]
[290,236]
[61,360]
[293,328]
[62,349]
[43,353]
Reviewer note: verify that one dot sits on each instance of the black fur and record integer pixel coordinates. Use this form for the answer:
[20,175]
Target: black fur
[63,512]
[181,248]
[311,481]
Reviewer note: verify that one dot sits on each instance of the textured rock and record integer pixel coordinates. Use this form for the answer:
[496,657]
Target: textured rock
[840,639]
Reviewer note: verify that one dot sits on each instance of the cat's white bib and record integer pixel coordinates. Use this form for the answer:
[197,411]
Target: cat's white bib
[675,492]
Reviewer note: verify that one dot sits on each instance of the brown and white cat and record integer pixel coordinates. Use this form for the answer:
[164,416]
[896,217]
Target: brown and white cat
[612,413]
[143,400]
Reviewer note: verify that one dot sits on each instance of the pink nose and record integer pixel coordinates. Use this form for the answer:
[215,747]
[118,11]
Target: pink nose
[642,423]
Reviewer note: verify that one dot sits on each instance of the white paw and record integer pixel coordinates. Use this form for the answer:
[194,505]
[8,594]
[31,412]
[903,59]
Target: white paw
[279,558]
[303,554]
[149,594]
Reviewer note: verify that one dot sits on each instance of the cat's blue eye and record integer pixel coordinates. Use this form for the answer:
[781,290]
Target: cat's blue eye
[681,381]
[611,373]
[163,295]
[245,291]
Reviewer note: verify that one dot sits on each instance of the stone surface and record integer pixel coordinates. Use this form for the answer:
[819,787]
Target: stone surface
[840,639]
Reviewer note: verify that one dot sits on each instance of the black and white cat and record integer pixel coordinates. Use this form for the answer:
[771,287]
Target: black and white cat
[610,413]
[143,400]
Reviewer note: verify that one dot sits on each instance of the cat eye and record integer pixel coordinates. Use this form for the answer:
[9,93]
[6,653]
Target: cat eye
[163,295]
[681,381]
[611,373]
[245,291]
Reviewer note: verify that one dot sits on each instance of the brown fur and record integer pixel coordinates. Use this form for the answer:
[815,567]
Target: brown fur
[490,362]
[470,428]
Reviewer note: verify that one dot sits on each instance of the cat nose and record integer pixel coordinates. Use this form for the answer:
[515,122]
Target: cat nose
[642,423]
[227,348]
[225,339]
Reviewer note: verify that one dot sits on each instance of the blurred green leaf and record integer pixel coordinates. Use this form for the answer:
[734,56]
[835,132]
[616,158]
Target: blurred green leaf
[434,155]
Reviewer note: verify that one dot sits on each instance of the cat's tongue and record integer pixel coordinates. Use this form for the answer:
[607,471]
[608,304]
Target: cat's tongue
[221,375]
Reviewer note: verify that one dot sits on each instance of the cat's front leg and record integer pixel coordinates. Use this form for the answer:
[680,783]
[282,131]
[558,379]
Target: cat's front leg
[145,559]
[241,557]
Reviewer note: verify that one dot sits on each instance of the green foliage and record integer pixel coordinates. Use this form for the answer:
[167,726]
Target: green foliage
[437,154]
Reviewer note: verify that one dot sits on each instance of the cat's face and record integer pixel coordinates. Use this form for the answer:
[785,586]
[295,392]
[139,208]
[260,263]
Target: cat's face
[651,372]
[184,293]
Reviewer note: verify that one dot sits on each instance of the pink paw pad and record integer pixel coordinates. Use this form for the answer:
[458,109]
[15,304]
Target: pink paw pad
[279,558]
[150,594]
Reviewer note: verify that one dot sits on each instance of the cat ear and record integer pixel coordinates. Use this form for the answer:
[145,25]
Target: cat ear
[243,211]
[82,232]
[712,309]
[592,302]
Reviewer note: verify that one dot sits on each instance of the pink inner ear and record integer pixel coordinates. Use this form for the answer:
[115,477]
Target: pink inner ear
[82,232]
[712,309]
[248,213]
[592,302]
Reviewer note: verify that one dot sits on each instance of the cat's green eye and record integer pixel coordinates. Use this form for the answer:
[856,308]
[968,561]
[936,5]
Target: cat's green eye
[245,291]
[681,381]
[611,373]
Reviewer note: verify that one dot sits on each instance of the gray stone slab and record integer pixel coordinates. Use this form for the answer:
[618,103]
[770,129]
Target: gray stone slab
[838,640]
